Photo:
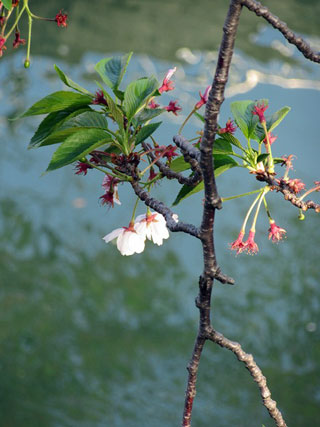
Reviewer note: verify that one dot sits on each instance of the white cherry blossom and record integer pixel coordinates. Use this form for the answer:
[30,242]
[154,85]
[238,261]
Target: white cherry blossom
[129,241]
[152,225]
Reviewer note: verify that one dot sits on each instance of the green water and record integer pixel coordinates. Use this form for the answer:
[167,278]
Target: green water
[90,338]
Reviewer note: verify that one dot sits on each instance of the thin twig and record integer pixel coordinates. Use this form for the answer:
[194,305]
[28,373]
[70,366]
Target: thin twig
[283,187]
[192,380]
[171,174]
[292,38]
[255,372]
[190,154]
[172,223]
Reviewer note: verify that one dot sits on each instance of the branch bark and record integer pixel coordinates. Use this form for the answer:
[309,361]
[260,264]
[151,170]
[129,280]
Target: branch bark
[292,38]
[170,174]
[283,187]
[255,372]
[213,202]
[172,223]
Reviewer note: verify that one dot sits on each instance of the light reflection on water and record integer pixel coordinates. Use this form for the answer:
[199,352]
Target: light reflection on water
[94,339]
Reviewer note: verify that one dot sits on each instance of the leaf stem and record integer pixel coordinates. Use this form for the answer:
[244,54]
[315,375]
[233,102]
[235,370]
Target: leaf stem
[270,158]
[15,22]
[317,188]
[243,228]
[186,120]
[253,226]
[134,211]
[225,199]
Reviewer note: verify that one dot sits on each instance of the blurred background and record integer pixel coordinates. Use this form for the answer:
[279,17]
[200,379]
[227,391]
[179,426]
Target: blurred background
[90,338]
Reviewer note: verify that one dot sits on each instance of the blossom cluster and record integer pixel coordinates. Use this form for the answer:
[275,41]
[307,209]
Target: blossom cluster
[131,239]
[128,152]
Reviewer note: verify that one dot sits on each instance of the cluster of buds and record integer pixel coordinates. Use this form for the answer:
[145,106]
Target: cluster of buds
[230,127]
[167,86]
[168,151]
[9,25]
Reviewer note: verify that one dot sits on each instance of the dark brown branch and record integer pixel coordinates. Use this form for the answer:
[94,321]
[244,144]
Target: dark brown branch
[212,199]
[292,38]
[283,187]
[172,224]
[213,202]
[186,148]
[191,155]
[216,98]
[169,173]
[255,372]
[192,380]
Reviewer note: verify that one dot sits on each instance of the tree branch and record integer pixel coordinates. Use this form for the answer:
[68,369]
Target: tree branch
[216,98]
[192,380]
[283,187]
[190,154]
[186,148]
[213,202]
[292,38]
[169,173]
[160,207]
[255,372]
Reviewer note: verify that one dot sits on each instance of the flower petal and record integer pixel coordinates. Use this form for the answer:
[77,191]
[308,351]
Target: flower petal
[113,235]
[130,242]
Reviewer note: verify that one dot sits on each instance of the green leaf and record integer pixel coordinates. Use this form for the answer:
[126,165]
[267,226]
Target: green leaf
[222,146]
[200,117]
[115,111]
[137,93]
[147,114]
[50,124]
[272,122]
[146,131]
[242,113]
[68,82]
[57,101]
[113,108]
[73,125]
[232,139]
[277,118]
[221,164]
[47,126]
[90,119]
[112,70]
[179,165]
[277,160]
[7,4]
[187,191]
[59,136]
[119,94]
[77,145]
[262,157]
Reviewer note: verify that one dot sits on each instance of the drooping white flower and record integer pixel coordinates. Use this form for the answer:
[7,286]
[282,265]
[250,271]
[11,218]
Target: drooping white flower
[152,225]
[129,241]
